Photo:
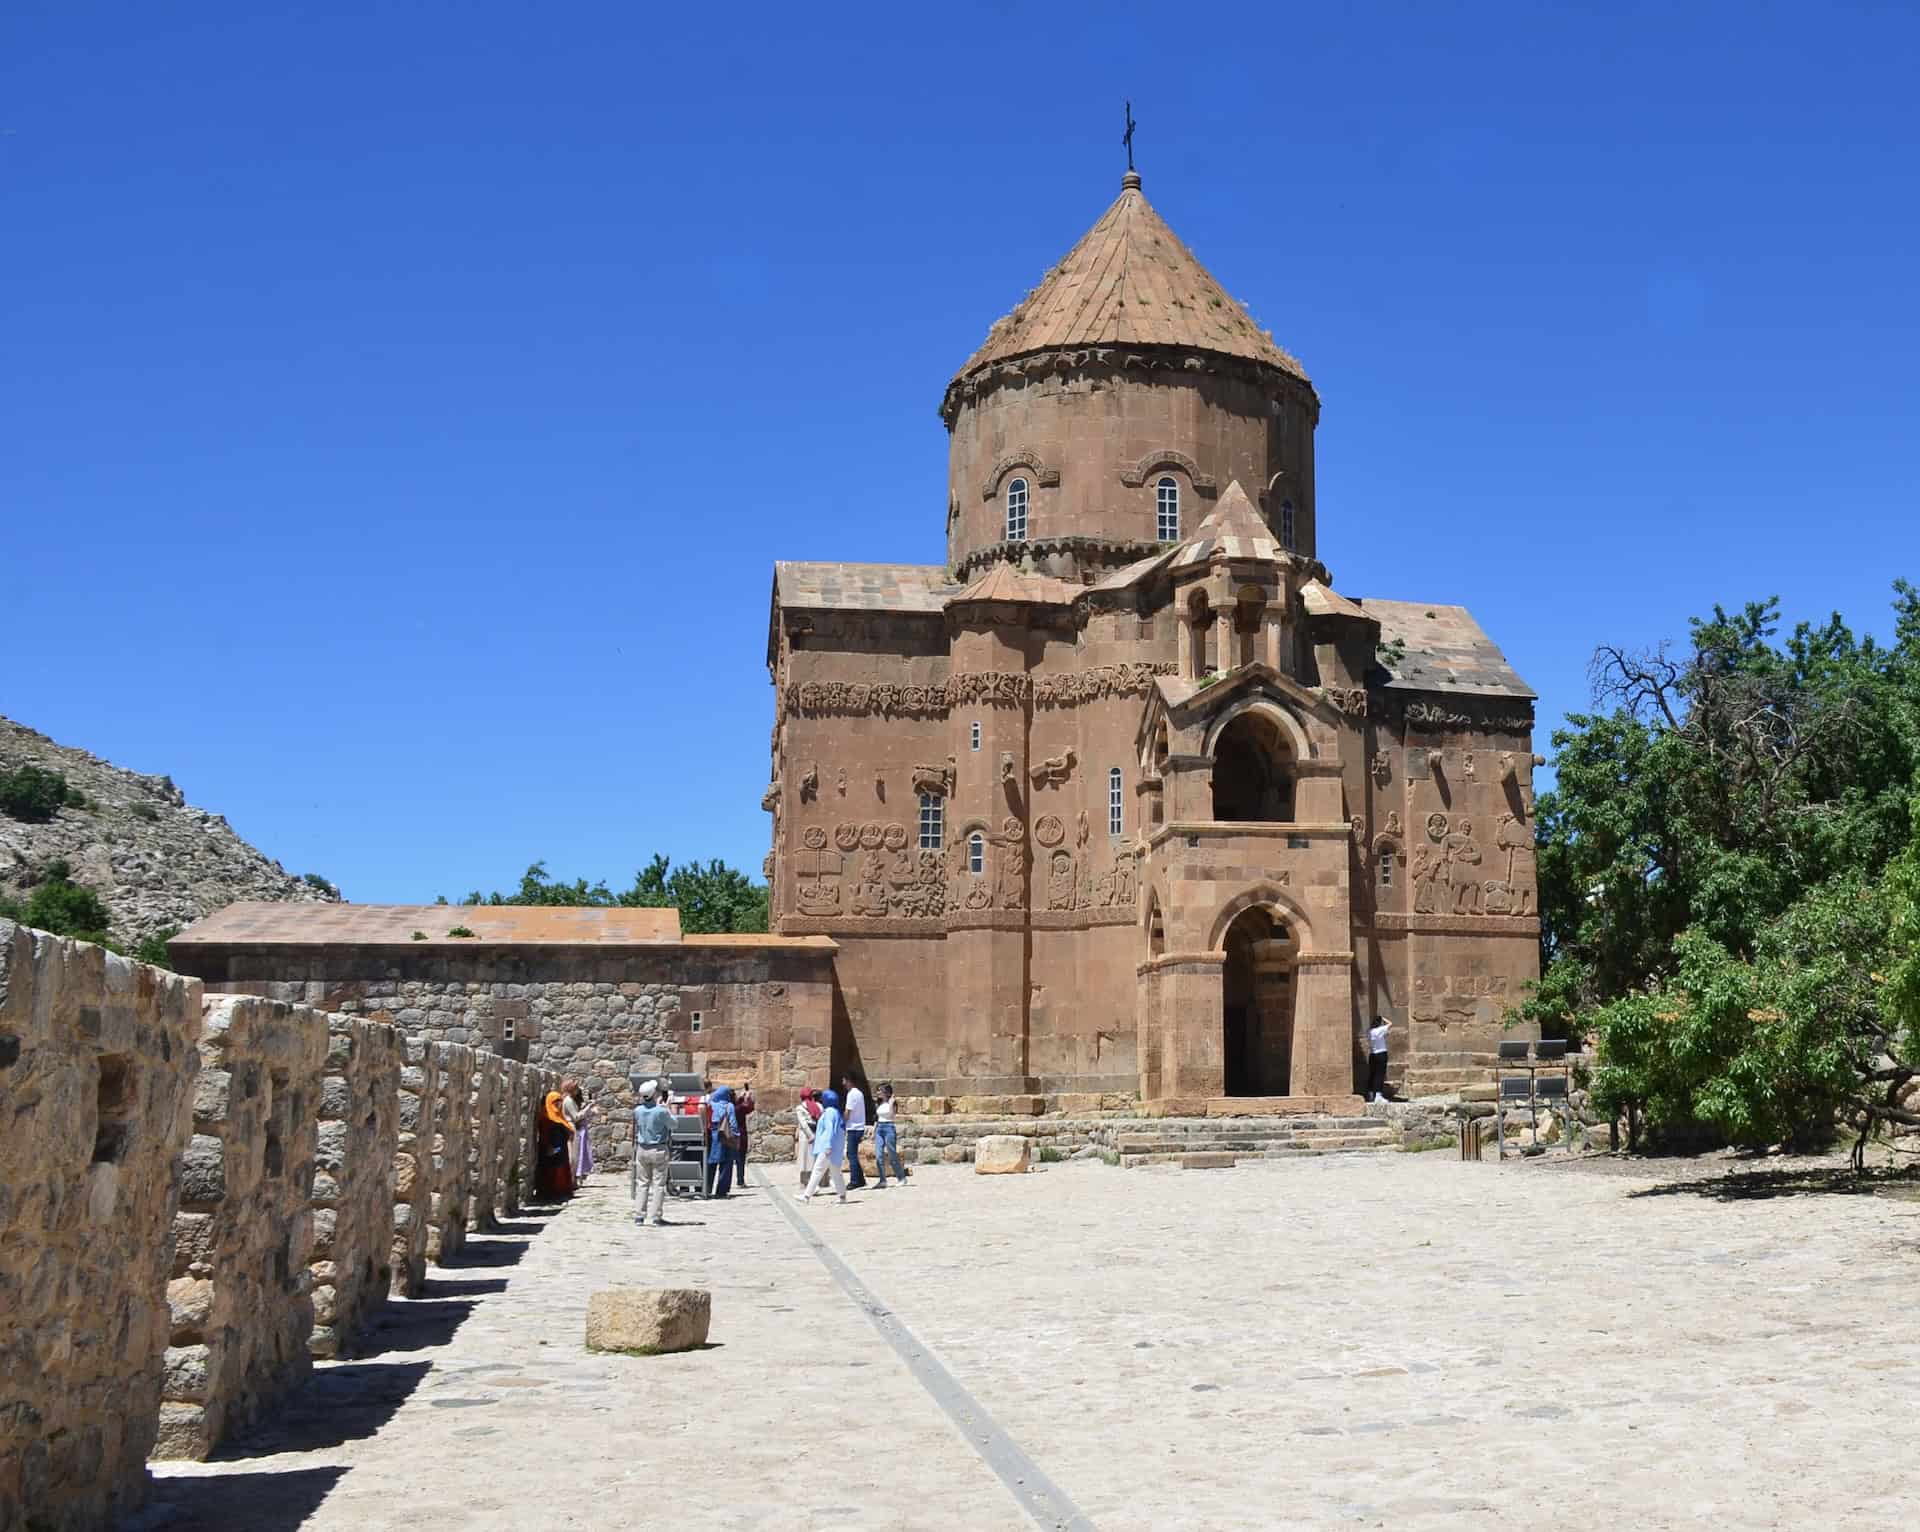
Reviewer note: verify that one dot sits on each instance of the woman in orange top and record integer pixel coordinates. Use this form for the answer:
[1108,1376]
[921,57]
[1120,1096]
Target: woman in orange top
[553,1176]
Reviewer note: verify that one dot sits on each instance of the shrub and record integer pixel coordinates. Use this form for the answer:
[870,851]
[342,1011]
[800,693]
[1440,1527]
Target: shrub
[153,949]
[459,931]
[320,885]
[143,810]
[62,908]
[1050,1154]
[35,795]
[419,936]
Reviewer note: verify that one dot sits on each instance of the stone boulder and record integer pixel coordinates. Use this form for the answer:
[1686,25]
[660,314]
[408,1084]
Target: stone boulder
[1001,1154]
[647,1321]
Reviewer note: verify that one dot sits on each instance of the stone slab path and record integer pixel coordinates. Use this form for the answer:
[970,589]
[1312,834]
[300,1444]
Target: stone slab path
[1374,1341]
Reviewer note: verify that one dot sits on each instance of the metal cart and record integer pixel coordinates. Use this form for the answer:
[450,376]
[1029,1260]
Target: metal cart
[687,1166]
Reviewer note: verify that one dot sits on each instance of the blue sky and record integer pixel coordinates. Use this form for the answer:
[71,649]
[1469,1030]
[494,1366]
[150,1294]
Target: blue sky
[403,405]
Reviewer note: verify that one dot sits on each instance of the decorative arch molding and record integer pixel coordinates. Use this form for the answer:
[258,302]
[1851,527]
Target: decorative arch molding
[1266,707]
[1136,475]
[1269,896]
[1044,477]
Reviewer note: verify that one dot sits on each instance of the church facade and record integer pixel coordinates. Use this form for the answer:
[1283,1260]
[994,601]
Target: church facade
[1123,797]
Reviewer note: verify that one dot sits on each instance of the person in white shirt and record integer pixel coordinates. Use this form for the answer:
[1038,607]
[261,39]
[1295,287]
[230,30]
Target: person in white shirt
[856,1130]
[886,1137]
[1377,1059]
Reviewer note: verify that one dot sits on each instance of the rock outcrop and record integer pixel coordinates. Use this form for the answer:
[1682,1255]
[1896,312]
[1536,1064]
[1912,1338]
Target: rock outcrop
[157,862]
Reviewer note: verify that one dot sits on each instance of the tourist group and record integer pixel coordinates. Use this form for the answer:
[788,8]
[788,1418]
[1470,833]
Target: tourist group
[829,1127]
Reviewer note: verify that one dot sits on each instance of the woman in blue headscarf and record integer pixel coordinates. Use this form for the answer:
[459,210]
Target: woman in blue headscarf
[829,1146]
[723,1141]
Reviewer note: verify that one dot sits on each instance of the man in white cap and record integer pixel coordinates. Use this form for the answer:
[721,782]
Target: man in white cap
[652,1150]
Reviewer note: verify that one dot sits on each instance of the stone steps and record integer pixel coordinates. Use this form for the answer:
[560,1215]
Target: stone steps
[1169,1142]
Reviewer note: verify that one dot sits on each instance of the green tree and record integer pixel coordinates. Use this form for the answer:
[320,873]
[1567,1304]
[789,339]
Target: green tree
[62,907]
[35,795]
[1718,879]
[710,896]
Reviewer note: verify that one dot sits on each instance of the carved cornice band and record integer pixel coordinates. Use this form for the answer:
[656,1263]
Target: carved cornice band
[1108,360]
[985,688]
[1461,925]
[1120,550]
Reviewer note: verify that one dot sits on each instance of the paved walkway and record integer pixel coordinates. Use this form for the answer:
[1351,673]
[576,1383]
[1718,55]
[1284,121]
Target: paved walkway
[1386,1340]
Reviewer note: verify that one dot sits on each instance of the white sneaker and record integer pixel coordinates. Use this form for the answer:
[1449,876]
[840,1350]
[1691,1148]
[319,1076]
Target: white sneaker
[803,1197]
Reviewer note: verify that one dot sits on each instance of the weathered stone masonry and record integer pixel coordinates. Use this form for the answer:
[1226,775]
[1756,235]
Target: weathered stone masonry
[97,1067]
[200,1192]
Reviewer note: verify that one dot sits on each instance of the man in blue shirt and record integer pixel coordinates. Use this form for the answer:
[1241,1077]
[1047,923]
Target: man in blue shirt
[652,1150]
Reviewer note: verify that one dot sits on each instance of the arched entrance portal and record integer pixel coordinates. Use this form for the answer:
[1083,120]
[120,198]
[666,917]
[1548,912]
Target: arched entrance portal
[1258,981]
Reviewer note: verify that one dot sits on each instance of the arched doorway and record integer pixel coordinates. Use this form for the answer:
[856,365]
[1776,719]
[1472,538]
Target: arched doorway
[1258,1005]
[1253,771]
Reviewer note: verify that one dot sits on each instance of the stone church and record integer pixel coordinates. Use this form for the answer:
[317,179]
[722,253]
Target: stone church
[1123,796]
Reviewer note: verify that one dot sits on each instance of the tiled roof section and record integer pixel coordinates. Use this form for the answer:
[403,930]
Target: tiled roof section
[1132,574]
[862,587]
[377,924]
[1130,281]
[1232,529]
[1005,583]
[1445,650]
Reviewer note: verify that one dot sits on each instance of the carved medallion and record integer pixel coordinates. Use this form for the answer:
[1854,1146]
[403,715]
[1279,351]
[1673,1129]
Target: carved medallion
[846,835]
[893,837]
[873,834]
[1436,827]
[1048,830]
[1012,831]
[813,837]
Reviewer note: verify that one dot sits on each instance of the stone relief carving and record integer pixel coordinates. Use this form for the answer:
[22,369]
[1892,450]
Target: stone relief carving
[840,783]
[1436,827]
[771,796]
[1466,766]
[810,783]
[1008,773]
[1115,889]
[1060,881]
[1382,768]
[1012,878]
[1054,770]
[937,781]
[1048,830]
[813,837]
[1081,830]
[872,834]
[766,867]
[1349,700]
[992,688]
[870,892]
[817,886]
[894,836]
[1048,478]
[846,835]
[1101,681]
[1437,762]
[1431,715]
[1462,851]
[1135,474]
[1359,826]
[1393,823]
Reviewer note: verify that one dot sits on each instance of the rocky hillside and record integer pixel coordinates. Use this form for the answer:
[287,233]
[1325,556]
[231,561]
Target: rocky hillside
[157,862]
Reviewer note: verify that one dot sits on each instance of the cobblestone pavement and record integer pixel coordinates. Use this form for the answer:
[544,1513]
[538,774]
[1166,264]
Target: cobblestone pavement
[1378,1340]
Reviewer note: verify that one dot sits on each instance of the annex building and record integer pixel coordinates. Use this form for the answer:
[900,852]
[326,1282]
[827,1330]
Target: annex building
[1123,796]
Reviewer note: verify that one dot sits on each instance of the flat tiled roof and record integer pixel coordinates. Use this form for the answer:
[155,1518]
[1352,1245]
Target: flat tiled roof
[274,924]
[862,587]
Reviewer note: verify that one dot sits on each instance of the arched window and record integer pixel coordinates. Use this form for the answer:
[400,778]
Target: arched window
[1017,511]
[976,853]
[933,816]
[1167,494]
[1286,524]
[976,734]
[1386,869]
[1116,804]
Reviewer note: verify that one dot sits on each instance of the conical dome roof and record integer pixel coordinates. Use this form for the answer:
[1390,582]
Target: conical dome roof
[1130,281]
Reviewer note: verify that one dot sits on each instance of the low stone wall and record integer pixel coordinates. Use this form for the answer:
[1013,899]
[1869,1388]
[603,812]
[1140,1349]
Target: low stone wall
[487,1094]
[412,1173]
[352,1266]
[451,1067]
[240,1298]
[97,1064]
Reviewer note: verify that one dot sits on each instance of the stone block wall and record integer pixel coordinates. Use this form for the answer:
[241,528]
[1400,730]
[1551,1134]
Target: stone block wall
[353,1180]
[240,1298]
[97,1064]
[412,1172]
[488,1095]
[451,1067]
[597,1013]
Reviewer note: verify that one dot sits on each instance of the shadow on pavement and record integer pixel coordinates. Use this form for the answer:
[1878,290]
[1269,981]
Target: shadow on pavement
[346,1402]
[1824,1181]
[260,1502]
[479,1287]
[412,1324]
